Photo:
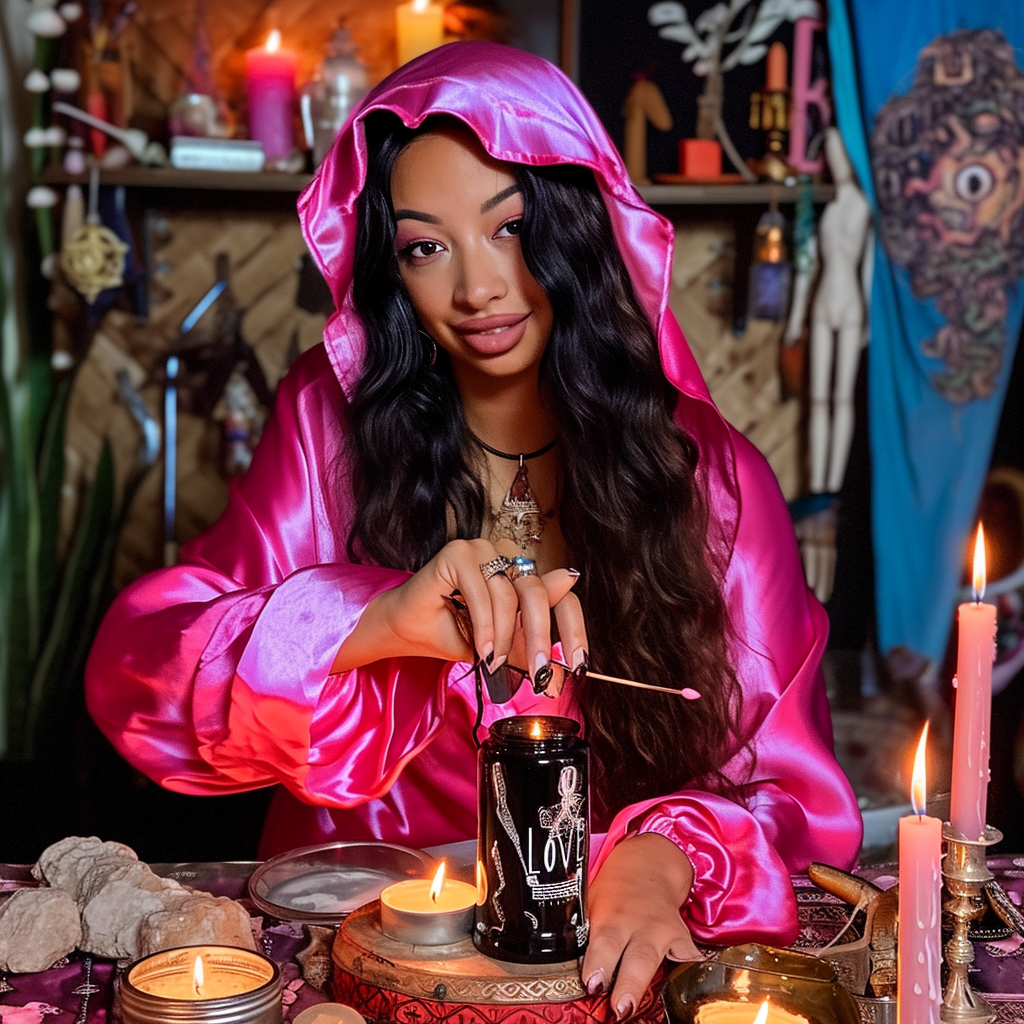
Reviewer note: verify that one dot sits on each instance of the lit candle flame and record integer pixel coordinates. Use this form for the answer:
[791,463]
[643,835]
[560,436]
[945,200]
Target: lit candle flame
[419,6]
[535,731]
[762,1014]
[919,781]
[438,883]
[197,976]
[273,41]
[979,564]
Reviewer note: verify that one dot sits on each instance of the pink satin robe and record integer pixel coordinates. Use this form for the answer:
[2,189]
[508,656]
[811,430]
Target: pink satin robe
[214,676]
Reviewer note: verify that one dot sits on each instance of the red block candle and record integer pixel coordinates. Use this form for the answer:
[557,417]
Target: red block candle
[270,85]
[973,712]
[919,939]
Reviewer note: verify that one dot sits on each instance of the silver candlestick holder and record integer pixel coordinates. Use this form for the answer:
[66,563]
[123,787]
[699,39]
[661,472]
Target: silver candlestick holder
[965,874]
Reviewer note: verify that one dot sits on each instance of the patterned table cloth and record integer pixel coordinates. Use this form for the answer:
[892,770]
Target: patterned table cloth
[80,989]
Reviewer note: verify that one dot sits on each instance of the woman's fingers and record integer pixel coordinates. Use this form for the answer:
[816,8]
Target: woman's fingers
[535,615]
[573,633]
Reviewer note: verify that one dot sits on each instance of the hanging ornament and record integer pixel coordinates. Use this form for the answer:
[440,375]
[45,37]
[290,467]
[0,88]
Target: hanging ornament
[93,257]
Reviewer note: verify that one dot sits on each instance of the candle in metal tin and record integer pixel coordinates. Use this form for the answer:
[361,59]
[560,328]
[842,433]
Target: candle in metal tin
[533,842]
[425,912]
[202,985]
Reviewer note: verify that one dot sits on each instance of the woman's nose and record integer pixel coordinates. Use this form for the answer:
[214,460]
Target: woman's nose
[481,279]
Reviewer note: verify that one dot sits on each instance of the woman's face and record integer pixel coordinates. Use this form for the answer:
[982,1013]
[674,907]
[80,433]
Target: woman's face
[458,215]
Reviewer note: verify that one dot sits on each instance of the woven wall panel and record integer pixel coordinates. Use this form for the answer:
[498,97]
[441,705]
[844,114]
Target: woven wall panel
[263,250]
[741,372]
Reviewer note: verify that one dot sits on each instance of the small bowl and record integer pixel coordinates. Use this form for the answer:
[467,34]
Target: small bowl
[323,884]
[730,989]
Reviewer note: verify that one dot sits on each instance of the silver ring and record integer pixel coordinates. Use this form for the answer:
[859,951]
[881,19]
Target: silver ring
[495,567]
[522,566]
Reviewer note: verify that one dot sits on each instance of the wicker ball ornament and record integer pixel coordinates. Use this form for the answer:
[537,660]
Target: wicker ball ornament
[93,258]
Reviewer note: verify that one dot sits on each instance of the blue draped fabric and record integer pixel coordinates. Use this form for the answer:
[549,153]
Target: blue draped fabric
[929,97]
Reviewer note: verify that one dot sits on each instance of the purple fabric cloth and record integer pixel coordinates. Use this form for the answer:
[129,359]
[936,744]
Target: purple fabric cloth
[214,675]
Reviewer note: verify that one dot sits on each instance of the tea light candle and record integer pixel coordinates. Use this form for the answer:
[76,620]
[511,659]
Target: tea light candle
[426,912]
[419,27]
[200,984]
[976,650]
[721,1011]
[919,946]
[270,86]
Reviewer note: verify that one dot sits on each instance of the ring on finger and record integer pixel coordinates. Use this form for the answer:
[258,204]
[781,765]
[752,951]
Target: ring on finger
[522,566]
[496,567]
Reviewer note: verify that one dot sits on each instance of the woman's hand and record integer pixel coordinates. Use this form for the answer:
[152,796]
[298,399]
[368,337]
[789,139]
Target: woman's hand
[634,918]
[417,618]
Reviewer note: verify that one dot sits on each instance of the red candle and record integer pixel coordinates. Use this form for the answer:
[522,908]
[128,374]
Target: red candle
[270,85]
[971,725]
[919,939]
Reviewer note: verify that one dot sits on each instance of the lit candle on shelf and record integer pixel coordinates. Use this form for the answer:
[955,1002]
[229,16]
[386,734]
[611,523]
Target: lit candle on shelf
[201,984]
[918,991]
[424,912]
[419,27]
[270,86]
[973,709]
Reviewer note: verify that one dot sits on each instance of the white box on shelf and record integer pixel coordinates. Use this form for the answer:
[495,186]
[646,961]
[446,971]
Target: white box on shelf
[202,154]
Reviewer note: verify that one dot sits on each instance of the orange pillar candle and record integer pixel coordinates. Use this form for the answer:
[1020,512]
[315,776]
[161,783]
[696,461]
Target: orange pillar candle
[919,939]
[973,711]
[419,27]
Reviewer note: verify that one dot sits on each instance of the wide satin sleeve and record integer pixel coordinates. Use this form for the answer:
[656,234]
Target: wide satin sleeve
[796,803]
[213,675]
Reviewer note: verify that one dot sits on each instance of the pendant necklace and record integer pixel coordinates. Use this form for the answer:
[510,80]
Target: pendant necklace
[519,518]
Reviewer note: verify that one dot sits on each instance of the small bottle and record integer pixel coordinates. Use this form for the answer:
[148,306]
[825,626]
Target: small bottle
[771,273]
[533,844]
[327,100]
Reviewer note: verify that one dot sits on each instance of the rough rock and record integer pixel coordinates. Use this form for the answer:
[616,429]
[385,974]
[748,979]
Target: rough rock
[195,919]
[65,863]
[37,927]
[117,903]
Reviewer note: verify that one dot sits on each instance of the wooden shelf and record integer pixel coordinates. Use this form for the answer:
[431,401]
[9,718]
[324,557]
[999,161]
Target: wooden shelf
[169,177]
[759,193]
[731,194]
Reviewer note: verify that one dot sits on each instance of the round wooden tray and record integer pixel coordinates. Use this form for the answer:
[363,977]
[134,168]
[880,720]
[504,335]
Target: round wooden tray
[389,980]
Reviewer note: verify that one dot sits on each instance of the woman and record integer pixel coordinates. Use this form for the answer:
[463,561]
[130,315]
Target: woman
[499,286]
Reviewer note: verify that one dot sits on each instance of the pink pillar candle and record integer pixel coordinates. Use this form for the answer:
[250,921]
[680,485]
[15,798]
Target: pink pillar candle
[919,938]
[973,709]
[270,86]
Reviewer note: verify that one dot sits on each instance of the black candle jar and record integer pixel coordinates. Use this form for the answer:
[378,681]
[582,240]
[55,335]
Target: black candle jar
[533,844]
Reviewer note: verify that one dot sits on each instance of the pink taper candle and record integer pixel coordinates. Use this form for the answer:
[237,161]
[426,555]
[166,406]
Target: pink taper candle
[973,710]
[270,85]
[919,939]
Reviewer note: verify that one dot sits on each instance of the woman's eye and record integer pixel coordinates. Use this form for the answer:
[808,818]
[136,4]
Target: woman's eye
[511,227]
[421,250]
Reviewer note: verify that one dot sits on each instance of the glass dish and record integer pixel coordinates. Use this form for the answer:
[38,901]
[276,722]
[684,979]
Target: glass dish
[323,884]
[730,989]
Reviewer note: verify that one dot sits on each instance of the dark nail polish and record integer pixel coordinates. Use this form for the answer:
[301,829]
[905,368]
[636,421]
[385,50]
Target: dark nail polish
[625,1008]
[489,659]
[541,678]
[573,572]
[579,673]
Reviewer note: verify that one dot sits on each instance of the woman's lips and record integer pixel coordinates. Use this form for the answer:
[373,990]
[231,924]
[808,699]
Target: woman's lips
[493,335]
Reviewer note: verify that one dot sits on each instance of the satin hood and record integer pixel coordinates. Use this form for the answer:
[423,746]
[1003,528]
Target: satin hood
[524,110]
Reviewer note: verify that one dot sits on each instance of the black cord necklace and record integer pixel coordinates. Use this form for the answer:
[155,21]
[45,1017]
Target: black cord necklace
[520,517]
[521,457]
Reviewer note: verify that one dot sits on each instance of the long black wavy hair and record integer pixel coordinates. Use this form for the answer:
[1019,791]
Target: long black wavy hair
[631,508]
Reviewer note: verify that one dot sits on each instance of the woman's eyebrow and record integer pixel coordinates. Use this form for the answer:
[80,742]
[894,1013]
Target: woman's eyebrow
[502,195]
[416,215]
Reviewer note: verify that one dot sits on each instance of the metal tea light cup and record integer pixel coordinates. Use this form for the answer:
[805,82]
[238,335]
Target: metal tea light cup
[252,982]
[533,842]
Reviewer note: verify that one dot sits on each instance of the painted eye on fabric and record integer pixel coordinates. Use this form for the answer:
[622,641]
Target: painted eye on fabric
[974,182]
